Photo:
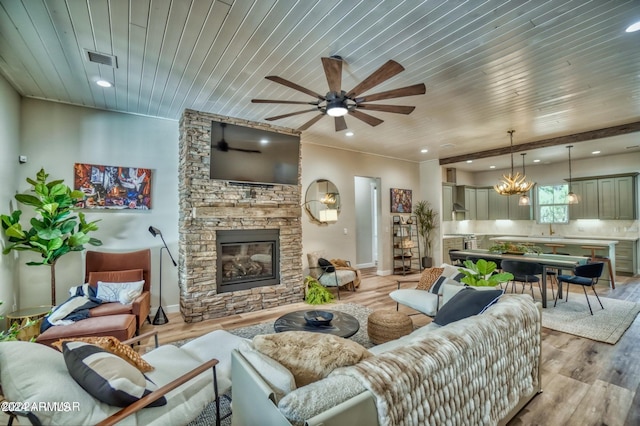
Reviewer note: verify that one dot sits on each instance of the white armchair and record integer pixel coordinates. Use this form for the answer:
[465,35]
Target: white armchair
[329,275]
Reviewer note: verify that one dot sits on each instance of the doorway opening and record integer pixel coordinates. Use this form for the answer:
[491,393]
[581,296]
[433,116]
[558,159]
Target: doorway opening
[368,211]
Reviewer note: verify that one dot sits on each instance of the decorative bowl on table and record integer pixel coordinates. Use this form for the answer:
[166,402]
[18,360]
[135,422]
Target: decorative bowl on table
[318,318]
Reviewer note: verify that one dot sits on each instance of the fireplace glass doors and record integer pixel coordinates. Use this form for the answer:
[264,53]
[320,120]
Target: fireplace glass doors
[247,259]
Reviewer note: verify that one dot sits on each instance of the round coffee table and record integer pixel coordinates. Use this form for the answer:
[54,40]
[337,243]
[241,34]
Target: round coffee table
[343,325]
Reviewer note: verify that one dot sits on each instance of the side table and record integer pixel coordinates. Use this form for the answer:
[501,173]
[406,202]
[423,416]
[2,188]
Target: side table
[23,316]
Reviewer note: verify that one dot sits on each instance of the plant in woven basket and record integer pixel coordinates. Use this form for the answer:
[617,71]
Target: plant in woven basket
[481,274]
[316,293]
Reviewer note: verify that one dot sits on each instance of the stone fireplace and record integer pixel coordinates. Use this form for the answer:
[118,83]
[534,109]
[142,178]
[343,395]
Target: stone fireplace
[220,277]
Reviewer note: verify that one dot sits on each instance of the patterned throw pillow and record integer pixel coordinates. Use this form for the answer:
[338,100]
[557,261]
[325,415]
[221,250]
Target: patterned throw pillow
[429,276]
[125,292]
[112,345]
[105,376]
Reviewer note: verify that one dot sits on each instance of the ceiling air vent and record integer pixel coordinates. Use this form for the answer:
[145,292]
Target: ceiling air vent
[102,59]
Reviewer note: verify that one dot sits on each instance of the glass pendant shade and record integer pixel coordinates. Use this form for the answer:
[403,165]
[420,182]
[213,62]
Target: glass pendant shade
[571,197]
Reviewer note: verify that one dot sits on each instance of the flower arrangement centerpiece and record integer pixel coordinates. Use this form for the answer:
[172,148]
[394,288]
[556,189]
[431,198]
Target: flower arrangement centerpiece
[512,248]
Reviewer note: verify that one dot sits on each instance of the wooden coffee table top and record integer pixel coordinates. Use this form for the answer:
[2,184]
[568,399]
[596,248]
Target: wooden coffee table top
[343,325]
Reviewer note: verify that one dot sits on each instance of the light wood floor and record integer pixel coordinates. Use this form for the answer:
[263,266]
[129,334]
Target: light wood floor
[584,382]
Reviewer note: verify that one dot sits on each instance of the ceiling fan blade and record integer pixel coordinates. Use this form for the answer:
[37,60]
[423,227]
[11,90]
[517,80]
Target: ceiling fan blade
[333,71]
[271,101]
[294,86]
[278,117]
[341,124]
[310,123]
[398,109]
[416,89]
[369,119]
[385,72]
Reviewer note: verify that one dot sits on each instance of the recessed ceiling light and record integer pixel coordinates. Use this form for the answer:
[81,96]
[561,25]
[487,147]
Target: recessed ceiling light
[492,167]
[104,83]
[633,27]
[424,150]
[595,152]
[536,161]
[469,161]
[349,134]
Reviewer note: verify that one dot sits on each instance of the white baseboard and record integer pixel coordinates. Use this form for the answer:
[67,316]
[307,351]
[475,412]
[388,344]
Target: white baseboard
[383,273]
[169,309]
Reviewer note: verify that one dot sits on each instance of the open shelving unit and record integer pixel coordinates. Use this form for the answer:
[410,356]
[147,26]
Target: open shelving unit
[405,245]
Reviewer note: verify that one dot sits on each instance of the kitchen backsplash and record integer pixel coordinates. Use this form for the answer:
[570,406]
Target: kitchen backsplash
[575,228]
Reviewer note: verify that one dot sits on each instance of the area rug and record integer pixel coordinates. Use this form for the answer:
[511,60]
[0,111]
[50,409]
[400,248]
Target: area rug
[605,325]
[361,313]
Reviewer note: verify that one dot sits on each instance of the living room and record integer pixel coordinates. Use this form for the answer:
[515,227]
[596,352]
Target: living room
[56,135]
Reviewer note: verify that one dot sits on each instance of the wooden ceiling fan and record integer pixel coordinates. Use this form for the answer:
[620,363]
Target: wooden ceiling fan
[338,103]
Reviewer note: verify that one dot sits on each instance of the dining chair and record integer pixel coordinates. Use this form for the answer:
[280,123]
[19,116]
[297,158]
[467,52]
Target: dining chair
[586,276]
[524,272]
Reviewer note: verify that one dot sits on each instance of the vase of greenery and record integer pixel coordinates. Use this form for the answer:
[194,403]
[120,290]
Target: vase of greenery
[482,274]
[427,223]
[316,293]
[55,230]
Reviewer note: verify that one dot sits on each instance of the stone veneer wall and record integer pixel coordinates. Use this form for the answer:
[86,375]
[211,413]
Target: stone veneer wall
[209,205]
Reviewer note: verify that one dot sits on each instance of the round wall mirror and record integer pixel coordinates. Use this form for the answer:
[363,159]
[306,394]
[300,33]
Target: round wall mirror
[322,201]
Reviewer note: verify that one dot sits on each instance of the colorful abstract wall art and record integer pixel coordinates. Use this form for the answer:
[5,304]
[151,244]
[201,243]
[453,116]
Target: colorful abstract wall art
[400,200]
[113,187]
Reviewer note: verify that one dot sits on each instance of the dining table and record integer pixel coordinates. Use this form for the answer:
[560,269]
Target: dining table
[556,262]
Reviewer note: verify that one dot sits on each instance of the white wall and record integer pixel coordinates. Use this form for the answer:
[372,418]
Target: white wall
[55,136]
[9,144]
[340,166]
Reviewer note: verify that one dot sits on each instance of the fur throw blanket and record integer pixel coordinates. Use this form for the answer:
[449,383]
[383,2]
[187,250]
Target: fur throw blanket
[473,371]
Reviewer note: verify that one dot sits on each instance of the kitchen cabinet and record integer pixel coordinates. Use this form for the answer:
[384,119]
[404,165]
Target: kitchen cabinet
[470,203]
[498,206]
[447,201]
[482,203]
[626,257]
[516,211]
[406,246]
[587,207]
[451,243]
[617,197]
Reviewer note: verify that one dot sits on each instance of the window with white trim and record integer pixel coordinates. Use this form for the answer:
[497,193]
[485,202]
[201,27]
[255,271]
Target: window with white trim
[552,204]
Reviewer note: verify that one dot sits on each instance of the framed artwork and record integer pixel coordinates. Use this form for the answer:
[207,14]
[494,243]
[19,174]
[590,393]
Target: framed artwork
[400,200]
[113,187]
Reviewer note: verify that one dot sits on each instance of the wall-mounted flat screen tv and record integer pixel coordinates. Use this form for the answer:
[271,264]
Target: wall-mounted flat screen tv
[245,154]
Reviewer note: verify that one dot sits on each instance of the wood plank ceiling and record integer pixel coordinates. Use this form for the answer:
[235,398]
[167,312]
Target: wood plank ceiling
[546,68]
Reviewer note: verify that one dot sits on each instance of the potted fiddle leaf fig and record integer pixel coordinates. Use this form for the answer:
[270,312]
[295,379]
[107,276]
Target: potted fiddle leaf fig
[481,274]
[427,222]
[55,230]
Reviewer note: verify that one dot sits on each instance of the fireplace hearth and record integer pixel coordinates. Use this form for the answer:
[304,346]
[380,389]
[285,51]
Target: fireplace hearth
[247,258]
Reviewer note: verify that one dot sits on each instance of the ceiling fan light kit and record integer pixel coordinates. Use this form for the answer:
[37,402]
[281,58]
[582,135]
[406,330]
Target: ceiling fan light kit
[513,184]
[337,103]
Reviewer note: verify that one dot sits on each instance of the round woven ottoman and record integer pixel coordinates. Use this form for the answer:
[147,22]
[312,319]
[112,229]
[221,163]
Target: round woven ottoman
[387,325]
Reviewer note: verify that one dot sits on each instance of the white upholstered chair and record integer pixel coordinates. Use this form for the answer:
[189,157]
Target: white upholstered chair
[329,275]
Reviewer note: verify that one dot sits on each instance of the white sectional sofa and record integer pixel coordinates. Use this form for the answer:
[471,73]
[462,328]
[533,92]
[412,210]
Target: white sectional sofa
[479,370]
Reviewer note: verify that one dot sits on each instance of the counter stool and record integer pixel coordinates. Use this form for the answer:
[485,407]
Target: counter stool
[554,247]
[597,258]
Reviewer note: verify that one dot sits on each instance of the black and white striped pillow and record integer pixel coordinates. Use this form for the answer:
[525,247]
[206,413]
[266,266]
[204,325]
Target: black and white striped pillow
[106,376]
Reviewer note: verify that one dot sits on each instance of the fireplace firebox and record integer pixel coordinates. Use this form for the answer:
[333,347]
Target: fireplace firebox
[247,259]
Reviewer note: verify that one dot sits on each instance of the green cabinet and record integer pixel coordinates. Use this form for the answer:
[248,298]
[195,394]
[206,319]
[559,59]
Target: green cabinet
[447,201]
[617,198]
[482,203]
[498,206]
[587,207]
[470,203]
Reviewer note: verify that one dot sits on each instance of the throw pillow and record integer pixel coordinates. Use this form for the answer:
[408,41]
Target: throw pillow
[112,345]
[128,275]
[275,374]
[105,376]
[428,277]
[124,293]
[310,356]
[465,303]
[325,265]
[436,288]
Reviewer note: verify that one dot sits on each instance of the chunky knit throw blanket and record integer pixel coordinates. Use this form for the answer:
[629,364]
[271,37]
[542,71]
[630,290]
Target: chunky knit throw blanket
[471,372]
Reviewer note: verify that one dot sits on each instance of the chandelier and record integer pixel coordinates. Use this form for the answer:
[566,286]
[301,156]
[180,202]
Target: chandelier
[513,184]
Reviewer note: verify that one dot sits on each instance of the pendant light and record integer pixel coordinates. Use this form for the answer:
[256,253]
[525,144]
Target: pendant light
[524,198]
[571,197]
[513,184]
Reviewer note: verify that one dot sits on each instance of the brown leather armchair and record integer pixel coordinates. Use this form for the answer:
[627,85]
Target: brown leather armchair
[121,267]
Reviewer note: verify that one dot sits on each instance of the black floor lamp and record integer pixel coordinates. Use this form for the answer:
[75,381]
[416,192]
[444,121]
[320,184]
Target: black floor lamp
[160,317]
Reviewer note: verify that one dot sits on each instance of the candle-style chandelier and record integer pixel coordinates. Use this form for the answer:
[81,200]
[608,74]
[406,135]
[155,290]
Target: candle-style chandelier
[513,184]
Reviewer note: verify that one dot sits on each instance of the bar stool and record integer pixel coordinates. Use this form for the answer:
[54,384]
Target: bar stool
[597,258]
[554,247]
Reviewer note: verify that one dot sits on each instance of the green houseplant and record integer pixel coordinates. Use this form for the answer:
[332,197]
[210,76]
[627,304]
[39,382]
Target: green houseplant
[316,293]
[55,230]
[427,223]
[481,274]
[512,248]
